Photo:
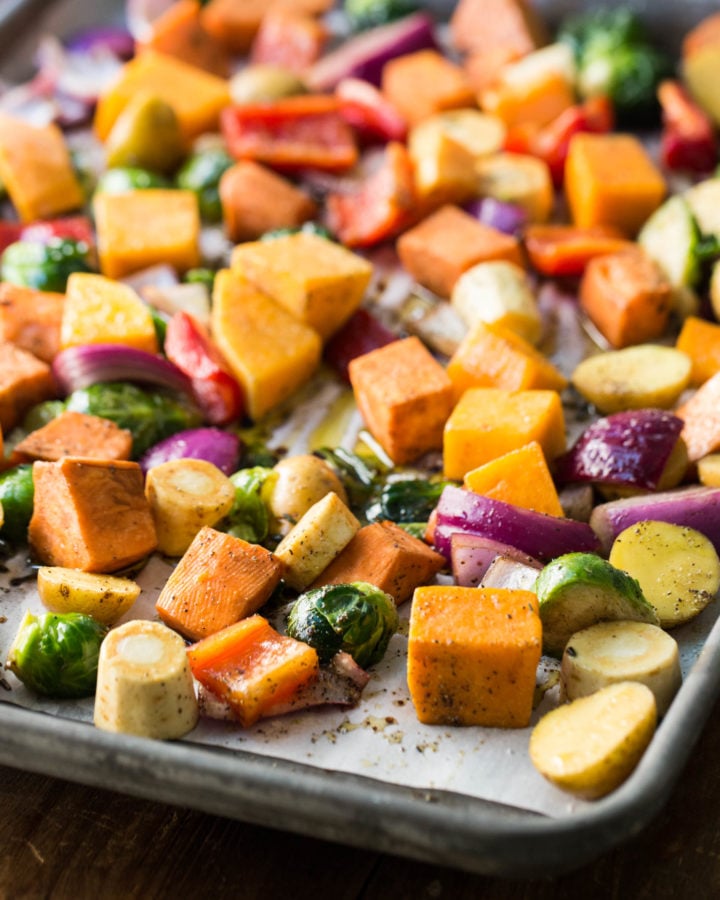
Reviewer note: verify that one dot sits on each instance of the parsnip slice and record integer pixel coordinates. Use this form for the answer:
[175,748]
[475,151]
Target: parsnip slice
[104,597]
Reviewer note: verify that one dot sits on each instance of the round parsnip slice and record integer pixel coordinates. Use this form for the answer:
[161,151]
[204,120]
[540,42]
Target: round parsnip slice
[590,746]
[610,652]
[648,375]
[104,597]
[677,567]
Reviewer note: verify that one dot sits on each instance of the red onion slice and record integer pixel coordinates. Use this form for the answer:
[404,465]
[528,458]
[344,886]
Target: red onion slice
[473,555]
[221,448]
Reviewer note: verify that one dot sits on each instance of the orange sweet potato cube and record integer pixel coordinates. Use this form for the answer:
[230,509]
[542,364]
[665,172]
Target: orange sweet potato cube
[483,26]
[488,422]
[77,434]
[90,514]
[422,83]
[701,341]
[24,381]
[385,555]
[31,319]
[405,397]
[447,243]
[473,655]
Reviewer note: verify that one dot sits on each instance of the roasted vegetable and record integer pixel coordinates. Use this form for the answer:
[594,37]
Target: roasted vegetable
[369,13]
[129,178]
[357,618]
[45,267]
[16,497]
[406,500]
[249,517]
[201,174]
[357,474]
[104,597]
[57,655]
[301,480]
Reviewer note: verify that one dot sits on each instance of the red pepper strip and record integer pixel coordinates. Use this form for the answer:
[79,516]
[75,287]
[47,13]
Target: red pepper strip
[9,233]
[75,228]
[216,390]
[381,208]
[368,111]
[292,134]
[688,141]
[359,335]
[563,250]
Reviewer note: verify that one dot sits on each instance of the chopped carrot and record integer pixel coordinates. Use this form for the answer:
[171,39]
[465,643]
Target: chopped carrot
[405,397]
[31,319]
[385,555]
[626,297]
[178,32]
[288,38]
[77,434]
[482,26]
[252,667]
[564,250]
[447,243]
[24,381]
[422,83]
[701,415]
[701,341]
[473,655]
[90,514]
[219,580]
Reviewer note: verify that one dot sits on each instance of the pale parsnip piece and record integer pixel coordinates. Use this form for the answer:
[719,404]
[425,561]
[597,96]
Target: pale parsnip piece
[104,597]
[621,651]
[590,746]
[309,548]
[144,684]
[299,482]
[708,469]
[517,178]
[184,495]
[648,375]
[677,567]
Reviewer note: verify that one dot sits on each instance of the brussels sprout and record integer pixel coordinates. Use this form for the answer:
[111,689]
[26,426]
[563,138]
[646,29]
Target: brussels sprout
[150,416]
[201,173]
[56,655]
[406,500]
[306,228]
[249,517]
[16,497]
[129,178]
[358,618]
[369,13]
[200,276]
[45,267]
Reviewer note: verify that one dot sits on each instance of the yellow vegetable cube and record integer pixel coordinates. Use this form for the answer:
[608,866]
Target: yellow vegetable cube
[444,170]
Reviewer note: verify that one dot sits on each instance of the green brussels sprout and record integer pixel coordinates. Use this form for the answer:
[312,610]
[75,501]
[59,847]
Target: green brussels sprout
[406,500]
[160,324]
[17,492]
[201,174]
[358,618]
[129,178]
[149,416]
[45,267]
[56,655]
[306,228]
[249,517]
[200,276]
[370,13]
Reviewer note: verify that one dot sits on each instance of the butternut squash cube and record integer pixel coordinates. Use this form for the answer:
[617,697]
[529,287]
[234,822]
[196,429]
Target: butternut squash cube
[488,422]
[701,341]
[36,169]
[24,381]
[269,351]
[473,655]
[138,229]
[318,281]
[444,169]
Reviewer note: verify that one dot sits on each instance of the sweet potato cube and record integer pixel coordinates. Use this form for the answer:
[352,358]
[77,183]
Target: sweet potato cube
[701,415]
[437,251]
[405,397]
[701,341]
[237,23]
[31,319]
[289,38]
[385,555]
[422,83]
[473,655]
[196,96]
[77,434]
[219,580]
[178,32]
[318,281]
[24,381]
[488,422]
[138,229]
[268,350]
[36,170]
[90,514]
[521,477]
[483,26]
[611,180]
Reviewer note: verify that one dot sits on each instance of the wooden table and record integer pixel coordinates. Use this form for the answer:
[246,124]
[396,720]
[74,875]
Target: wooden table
[60,840]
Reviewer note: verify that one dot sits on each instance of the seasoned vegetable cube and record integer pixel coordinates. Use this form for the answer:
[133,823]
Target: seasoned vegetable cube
[422,83]
[76,434]
[31,319]
[24,381]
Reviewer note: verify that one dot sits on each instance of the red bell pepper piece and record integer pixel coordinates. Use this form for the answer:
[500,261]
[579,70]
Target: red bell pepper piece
[217,391]
[359,335]
[381,208]
[564,251]
[688,141]
[369,112]
[9,233]
[291,134]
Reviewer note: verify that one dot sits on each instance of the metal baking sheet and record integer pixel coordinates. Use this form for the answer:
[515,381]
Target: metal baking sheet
[487,813]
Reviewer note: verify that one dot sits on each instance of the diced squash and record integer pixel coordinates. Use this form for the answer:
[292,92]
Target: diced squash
[219,580]
[611,180]
[36,170]
[385,555]
[491,355]
[447,243]
[521,477]
[318,281]
[444,170]
[489,422]
[76,434]
[178,32]
[196,96]
[31,319]
[700,339]
[268,350]
[405,397]
[90,514]
[24,381]
[139,229]
[485,25]
[99,310]
[422,83]
[701,415]
[517,178]
[473,655]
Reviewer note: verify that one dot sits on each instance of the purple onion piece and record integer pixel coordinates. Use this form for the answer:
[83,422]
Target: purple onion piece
[472,555]
[79,367]
[627,449]
[112,38]
[695,507]
[221,448]
[365,55]
[506,217]
[537,534]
